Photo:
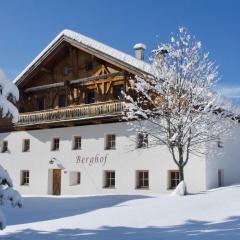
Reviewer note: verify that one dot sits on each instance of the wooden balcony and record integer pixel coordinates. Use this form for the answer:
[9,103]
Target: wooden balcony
[72,113]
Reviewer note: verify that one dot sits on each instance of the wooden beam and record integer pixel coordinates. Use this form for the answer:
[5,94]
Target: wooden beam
[108,89]
[43,87]
[81,80]
[94,78]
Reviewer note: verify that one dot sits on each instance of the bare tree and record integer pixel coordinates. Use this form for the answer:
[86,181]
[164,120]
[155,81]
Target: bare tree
[176,106]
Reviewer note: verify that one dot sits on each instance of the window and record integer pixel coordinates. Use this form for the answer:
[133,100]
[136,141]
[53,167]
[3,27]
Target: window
[67,70]
[220,143]
[142,140]
[55,144]
[24,177]
[90,97]
[118,92]
[41,104]
[78,177]
[75,178]
[220,177]
[110,142]
[4,146]
[62,100]
[109,179]
[174,179]
[26,145]
[142,179]
[89,66]
[77,142]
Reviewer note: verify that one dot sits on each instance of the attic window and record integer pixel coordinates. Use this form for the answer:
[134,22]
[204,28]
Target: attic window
[89,66]
[67,70]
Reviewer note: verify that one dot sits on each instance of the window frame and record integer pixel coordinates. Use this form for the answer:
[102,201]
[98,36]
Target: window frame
[4,148]
[74,143]
[109,179]
[143,141]
[140,180]
[220,143]
[109,143]
[25,178]
[24,149]
[74,178]
[78,178]
[176,179]
[53,146]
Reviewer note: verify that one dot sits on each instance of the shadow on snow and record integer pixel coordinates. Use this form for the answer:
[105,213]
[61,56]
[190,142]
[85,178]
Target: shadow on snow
[191,230]
[37,209]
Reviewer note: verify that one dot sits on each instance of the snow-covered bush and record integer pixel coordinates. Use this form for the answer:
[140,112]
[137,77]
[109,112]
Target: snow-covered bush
[8,94]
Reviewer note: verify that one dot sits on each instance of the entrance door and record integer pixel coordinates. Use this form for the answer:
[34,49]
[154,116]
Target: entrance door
[56,181]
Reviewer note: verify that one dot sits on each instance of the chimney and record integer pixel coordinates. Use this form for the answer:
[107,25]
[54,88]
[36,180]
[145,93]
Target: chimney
[139,49]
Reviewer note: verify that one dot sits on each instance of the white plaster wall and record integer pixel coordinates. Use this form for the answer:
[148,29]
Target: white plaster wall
[125,160]
[226,158]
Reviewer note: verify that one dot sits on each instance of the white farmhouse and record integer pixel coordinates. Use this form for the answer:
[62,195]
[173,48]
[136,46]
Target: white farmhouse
[71,139]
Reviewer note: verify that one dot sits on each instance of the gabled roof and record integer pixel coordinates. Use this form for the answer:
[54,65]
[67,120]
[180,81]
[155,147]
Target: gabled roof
[92,46]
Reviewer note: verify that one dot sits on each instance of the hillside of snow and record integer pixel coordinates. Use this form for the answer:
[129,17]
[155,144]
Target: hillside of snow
[209,215]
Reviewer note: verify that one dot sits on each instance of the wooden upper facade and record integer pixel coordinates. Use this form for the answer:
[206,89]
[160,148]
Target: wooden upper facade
[71,83]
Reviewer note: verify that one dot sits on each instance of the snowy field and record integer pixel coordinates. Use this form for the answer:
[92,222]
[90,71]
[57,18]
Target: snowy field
[210,215]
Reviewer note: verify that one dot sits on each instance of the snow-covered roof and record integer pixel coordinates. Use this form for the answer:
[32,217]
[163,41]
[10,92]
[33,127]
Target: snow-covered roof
[90,44]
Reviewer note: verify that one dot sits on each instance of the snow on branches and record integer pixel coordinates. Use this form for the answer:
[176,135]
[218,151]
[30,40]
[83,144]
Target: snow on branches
[176,105]
[8,93]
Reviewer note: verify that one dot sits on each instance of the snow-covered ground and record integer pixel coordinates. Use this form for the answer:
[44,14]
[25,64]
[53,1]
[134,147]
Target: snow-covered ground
[209,215]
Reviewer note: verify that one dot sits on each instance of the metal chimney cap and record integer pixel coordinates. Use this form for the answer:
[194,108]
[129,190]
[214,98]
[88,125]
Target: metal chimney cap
[139,46]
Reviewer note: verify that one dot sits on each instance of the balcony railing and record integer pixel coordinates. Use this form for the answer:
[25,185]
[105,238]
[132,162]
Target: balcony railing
[72,113]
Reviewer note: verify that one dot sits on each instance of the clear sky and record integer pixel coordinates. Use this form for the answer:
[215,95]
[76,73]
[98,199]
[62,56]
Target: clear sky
[27,26]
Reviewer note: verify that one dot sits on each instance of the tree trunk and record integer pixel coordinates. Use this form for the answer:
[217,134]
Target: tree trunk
[181,173]
[180,166]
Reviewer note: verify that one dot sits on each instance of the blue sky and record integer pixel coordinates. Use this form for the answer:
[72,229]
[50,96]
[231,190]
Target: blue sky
[27,26]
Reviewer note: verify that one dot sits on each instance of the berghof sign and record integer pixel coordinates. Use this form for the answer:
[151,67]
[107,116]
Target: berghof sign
[92,160]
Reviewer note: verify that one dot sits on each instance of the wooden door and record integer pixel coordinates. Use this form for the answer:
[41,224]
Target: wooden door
[56,181]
